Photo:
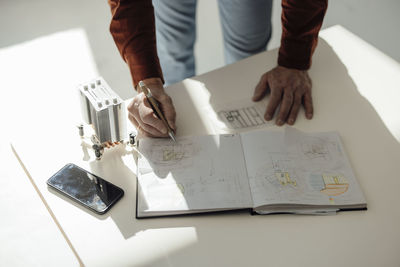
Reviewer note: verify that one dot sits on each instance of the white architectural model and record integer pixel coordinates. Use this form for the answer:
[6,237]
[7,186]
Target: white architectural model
[104,110]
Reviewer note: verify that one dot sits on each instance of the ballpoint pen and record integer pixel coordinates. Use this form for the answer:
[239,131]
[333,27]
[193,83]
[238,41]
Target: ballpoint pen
[156,108]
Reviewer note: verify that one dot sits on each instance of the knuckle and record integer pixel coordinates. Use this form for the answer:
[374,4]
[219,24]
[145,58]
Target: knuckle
[138,98]
[132,105]
[165,98]
[288,97]
[298,96]
[264,77]
[146,116]
[276,92]
[135,103]
[162,98]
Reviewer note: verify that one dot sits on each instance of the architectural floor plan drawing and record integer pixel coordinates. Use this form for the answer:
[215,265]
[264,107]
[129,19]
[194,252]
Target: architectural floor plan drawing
[242,118]
[237,116]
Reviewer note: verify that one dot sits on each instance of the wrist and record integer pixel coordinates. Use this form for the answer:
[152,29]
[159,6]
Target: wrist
[153,83]
[291,69]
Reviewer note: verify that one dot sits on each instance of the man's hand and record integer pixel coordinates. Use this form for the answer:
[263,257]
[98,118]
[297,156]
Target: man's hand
[142,115]
[288,87]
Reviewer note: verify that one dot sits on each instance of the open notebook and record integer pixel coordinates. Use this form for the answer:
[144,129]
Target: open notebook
[265,171]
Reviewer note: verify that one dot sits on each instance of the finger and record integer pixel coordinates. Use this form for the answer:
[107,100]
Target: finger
[133,111]
[308,105]
[275,99]
[142,113]
[151,130]
[286,105]
[295,109]
[147,116]
[261,88]
[145,128]
[168,109]
[133,120]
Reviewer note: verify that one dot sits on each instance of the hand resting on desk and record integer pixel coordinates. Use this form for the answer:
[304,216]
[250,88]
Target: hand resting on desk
[288,87]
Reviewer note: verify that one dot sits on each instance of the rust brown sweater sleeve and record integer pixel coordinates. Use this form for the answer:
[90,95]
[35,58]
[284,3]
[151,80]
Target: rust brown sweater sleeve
[301,22]
[133,29]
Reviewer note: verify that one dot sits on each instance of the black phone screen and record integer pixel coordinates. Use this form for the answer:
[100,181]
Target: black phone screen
[85,188]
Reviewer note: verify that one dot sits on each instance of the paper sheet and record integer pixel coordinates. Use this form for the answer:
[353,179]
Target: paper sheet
[238,116]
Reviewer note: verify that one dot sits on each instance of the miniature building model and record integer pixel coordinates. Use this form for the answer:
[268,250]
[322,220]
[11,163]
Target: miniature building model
[104,110]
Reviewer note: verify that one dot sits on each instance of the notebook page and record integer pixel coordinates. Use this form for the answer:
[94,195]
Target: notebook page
[298,168]
[201,172]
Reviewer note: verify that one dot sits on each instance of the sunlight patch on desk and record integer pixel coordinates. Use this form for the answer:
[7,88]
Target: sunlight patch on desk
[382,94]
[50,67]
[199,96]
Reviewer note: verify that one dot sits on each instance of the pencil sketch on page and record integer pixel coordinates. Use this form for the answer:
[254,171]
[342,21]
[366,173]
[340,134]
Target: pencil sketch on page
[297,167]
[237,116]
[166,154]
[242,118]
[194,172]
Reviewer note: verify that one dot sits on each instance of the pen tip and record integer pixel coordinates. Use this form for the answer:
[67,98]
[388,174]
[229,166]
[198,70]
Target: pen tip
[172,136]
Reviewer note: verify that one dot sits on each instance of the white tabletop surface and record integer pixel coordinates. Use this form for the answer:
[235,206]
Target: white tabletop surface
[29,235]
[355,92]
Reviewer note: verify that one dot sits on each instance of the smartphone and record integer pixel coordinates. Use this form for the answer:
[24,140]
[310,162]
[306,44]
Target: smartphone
[85,188]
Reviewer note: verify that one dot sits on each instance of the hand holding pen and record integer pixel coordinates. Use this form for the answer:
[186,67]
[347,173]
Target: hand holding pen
[144,116]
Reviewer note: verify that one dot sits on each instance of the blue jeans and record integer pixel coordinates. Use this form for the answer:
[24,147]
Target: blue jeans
[246,26]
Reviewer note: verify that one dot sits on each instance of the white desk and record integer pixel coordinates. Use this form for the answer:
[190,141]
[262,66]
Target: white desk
[355,90]
[29,235]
